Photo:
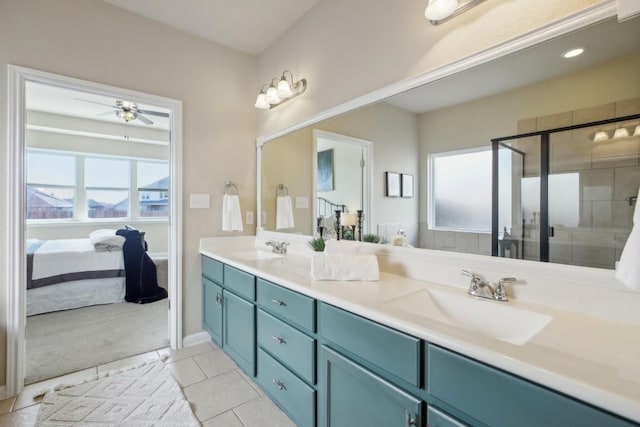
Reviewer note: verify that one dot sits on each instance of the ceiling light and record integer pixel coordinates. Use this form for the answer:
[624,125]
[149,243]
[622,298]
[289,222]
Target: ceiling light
[285,89]
[621,133]
[600,136]
[572,53]
[439,11]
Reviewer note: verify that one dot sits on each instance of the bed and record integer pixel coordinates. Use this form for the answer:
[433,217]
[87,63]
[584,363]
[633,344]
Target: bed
[110,266]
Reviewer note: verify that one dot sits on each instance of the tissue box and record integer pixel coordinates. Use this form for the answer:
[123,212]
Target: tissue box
[345,267]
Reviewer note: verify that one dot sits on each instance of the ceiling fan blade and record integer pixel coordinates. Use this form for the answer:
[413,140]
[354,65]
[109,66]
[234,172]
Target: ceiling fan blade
[154,113]
[143,119]
[107,112]
[94,102]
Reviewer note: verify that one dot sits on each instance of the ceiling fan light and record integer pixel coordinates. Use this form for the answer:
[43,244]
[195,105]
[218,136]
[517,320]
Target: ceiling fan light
[272,95]
[621,133]
[440,9]
[284,88]
[261,102]
[600,136]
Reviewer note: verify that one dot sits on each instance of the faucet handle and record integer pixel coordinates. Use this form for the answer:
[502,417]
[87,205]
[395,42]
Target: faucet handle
[501,290]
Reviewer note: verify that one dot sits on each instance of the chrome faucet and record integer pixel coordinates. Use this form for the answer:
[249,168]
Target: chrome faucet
[278,247]
[478,287]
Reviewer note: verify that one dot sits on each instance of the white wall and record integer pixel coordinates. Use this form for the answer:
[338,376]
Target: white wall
[95,41]
[346,49]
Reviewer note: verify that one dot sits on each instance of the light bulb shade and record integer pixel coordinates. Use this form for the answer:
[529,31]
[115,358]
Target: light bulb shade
[637,131]
[261,102]
[621,133]
[284,89]
[600,136]
[440,9]
[272,95]
[349,219]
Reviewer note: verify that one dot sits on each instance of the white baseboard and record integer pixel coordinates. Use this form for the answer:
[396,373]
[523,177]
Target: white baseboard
[197,338]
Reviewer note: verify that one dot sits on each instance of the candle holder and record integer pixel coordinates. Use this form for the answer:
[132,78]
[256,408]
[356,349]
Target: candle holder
[338,227]
[359,213]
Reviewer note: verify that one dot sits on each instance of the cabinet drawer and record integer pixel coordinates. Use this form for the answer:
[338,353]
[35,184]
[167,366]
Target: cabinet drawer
[293,348]
[241,283]
[289,305]
[391,350]
[212,269]
[436,418]
[496,398]
[290,392]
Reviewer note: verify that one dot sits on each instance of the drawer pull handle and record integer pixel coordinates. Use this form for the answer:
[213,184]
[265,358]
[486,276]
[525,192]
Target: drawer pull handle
[278,302]
[411,420]
[279,384]
[279,340]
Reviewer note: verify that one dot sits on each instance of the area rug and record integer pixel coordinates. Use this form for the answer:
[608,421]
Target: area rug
[143,396]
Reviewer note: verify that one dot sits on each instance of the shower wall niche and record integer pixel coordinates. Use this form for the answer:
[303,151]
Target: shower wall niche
[564,188]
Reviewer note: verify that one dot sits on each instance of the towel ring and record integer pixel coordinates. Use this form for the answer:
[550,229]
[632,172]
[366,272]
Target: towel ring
[282,190]
[230,188]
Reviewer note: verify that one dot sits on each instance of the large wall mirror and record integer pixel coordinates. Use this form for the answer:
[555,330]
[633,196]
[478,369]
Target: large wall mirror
[439,137]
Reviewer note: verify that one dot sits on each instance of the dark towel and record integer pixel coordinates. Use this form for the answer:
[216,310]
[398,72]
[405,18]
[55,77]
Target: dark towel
[140,270]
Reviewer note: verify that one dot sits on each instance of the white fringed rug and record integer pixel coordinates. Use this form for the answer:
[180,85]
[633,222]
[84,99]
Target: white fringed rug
[141,396]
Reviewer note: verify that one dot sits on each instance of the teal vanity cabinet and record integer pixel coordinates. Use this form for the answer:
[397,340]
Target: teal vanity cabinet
[229,311]
[286,368]
[486,396]
[361,365]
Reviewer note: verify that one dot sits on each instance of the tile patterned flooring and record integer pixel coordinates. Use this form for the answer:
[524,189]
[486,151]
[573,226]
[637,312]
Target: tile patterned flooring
[220,394]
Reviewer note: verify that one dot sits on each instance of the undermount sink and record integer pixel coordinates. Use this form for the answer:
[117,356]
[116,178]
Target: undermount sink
[492,319]
[256,255]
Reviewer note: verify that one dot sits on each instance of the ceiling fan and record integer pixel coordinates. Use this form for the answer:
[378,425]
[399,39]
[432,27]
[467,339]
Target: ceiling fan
[128,111]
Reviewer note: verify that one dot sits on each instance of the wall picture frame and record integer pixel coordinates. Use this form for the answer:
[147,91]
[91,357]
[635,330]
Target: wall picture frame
[406,185]
[392,184]
[325,180]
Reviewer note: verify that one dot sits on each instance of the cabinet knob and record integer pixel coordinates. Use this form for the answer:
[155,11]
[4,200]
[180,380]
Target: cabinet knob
[278,302]
[278,339]
[410,419]
[279,384]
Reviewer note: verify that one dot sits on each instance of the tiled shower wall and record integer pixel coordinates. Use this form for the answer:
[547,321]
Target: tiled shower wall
[609,173]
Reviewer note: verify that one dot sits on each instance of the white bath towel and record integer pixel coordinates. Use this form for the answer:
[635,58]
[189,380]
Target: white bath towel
[231,213]
[284,213]
[337,247]
[344,267]
[628,269]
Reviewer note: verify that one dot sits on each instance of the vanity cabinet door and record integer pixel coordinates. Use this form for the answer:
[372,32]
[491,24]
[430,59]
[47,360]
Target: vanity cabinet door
[212,310]
[239,336]
[351,395]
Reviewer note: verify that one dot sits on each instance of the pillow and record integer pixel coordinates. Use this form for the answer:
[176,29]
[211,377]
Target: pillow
[106,239]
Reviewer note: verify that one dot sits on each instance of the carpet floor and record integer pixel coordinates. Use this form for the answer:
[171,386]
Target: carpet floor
[68,341]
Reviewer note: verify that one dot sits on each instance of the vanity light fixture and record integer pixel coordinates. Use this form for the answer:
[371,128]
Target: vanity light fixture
[279,91]
[620,133]
[439,11]
[600,136]
[637,131]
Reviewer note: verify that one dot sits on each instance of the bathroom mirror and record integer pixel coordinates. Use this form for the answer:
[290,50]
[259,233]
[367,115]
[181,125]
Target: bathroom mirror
[439,132]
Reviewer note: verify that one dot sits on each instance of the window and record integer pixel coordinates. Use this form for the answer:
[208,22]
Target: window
[452,175]
[72,186]
[51,182]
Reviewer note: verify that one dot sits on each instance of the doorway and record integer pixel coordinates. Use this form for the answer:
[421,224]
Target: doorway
[90,204]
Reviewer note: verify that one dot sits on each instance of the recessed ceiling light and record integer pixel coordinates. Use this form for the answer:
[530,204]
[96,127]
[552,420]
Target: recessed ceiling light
[572,53]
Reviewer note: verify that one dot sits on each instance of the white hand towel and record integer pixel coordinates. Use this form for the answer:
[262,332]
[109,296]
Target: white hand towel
[628,269]
[231,213]
[284,213]
[337,247]
[344,267]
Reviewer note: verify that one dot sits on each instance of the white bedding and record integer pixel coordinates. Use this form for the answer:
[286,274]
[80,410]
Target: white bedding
[55,258]
[80,293]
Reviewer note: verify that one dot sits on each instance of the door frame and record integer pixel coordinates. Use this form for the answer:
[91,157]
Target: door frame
[15,262]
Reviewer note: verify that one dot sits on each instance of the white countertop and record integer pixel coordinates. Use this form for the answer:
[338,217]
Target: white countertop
[592,359]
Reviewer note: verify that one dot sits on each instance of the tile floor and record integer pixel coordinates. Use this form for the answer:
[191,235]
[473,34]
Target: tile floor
[221,395]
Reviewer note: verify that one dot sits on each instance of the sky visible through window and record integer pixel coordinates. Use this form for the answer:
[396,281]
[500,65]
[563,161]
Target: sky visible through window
[45,170]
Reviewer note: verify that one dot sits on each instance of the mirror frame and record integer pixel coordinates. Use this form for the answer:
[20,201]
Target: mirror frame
[589,16]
